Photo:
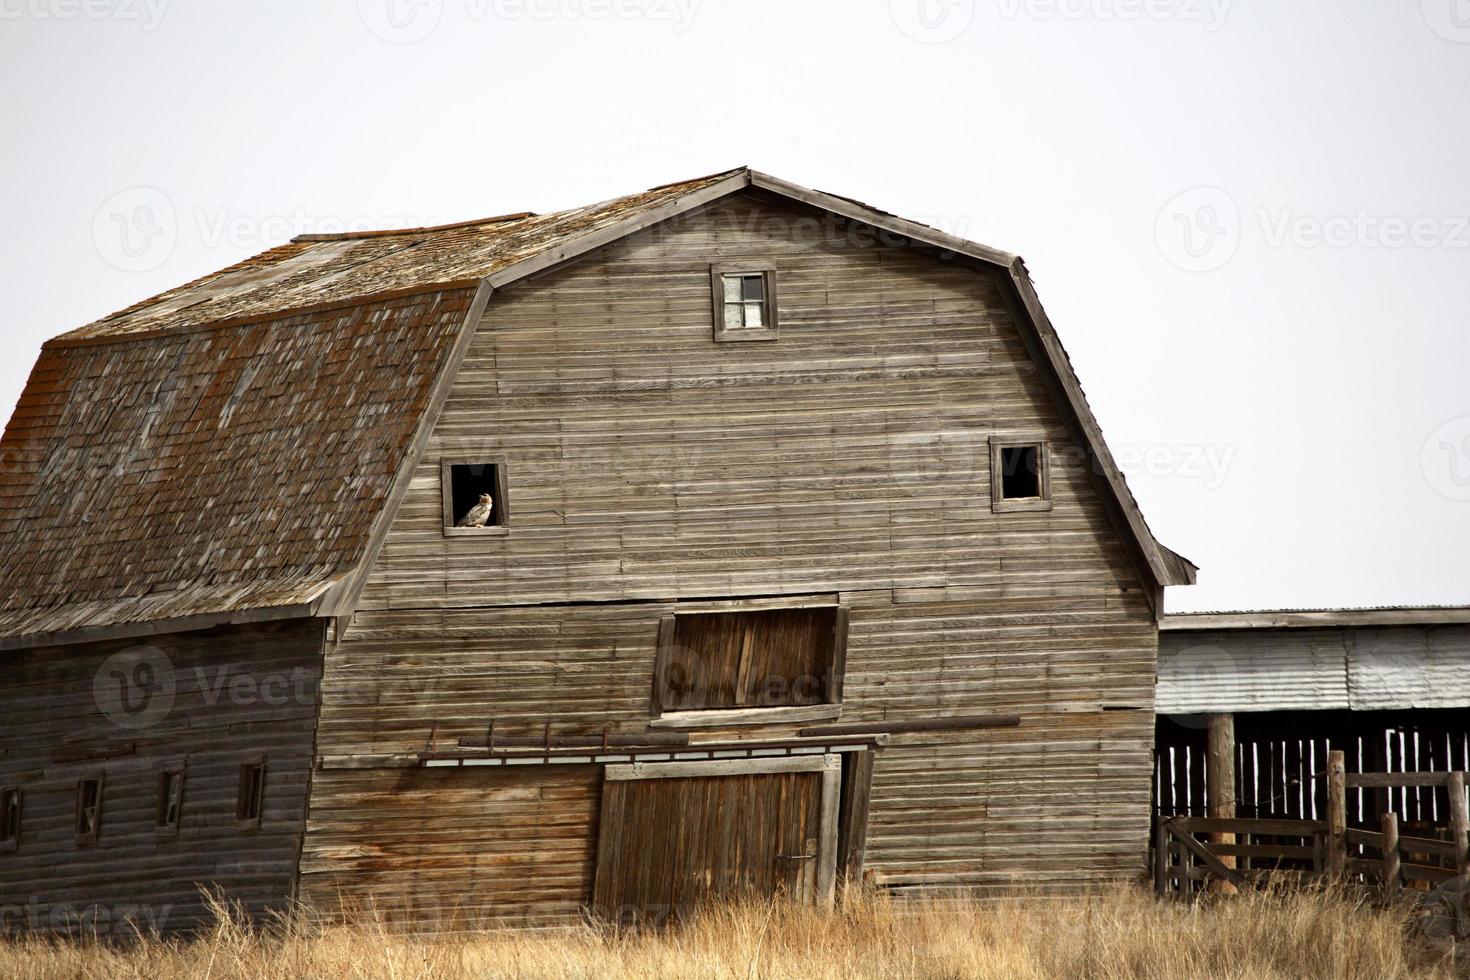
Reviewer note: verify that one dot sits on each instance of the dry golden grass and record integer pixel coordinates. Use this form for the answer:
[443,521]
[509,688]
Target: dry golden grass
[1116,934]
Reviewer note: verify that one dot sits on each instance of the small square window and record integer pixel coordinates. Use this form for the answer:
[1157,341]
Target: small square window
[89,809]
[170,801]
[1020,475]
[476,497]
[744,301]
[251,802]
[9,817]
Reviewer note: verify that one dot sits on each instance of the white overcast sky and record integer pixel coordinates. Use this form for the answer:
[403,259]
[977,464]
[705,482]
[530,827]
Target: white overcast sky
[1247,219]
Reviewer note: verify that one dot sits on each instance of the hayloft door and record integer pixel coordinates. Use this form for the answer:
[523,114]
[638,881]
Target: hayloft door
[675,834]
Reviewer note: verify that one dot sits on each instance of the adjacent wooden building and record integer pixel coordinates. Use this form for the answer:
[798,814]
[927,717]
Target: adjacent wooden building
[1250,704]
[806,561]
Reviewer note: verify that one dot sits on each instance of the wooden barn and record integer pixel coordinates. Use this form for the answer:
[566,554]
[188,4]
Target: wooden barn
[726,536]
[1251,703]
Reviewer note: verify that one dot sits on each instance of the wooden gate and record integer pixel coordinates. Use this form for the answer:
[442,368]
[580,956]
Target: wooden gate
[674,834]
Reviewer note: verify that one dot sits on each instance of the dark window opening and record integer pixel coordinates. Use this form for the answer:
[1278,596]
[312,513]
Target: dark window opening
[475,495]
[9,814]
[251,802]
[170,799]
[89,809]
[1020,472]
[756,659]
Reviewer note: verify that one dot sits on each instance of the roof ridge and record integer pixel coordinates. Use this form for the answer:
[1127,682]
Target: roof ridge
[340,236]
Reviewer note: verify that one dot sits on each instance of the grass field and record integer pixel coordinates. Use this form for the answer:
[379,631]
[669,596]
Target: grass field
[1117,934]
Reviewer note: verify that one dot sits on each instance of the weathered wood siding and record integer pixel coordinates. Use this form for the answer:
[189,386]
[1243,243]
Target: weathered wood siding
[850,457]
[455,848]
[236,693]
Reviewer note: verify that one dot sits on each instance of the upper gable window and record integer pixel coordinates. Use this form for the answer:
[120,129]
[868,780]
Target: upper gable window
[1020,475]
[476,496]
[744,301]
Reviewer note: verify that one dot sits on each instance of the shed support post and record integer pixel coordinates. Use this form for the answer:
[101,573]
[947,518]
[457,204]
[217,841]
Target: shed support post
[1336,814]
[1459,822]
[1391,865]
[1220,783]
[1161,856]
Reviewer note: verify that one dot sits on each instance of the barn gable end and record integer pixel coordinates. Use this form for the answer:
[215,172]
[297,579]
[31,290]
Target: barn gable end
[653,472]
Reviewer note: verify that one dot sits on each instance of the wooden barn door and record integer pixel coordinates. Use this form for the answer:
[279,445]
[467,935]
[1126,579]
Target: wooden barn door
[675,834]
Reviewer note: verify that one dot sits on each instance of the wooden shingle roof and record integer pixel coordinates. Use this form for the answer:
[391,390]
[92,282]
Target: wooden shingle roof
[230,449]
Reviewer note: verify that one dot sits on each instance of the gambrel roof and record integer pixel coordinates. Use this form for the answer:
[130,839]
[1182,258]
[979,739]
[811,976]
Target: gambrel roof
[232,449]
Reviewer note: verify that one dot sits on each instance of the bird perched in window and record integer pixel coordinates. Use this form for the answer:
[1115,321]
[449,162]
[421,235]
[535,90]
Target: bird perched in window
[478,515]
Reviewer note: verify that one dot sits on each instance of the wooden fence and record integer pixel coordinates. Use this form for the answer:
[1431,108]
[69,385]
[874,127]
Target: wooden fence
[1280,759]
[1191,852]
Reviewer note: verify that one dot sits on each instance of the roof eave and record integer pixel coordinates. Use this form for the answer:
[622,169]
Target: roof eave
[141,629]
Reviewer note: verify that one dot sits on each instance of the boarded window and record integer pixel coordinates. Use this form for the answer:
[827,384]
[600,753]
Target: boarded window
[251,801]
[475,495]
[170,800]
[755,659]
[10,815]
[89,809]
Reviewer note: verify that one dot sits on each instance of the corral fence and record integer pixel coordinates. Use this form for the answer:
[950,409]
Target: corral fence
[1192,854]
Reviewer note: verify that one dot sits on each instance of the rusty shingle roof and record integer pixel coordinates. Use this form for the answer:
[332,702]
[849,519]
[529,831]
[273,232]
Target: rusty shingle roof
[316,271]
[213,470]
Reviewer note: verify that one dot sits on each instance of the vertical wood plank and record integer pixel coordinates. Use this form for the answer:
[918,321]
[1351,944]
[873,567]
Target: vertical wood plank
[1459,822]
[1389,826]
[1336,814]
[1220,781]
[827,838]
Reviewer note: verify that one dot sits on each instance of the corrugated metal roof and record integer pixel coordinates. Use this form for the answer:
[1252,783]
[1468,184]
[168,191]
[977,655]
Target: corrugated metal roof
[1306,618]
[1362,668]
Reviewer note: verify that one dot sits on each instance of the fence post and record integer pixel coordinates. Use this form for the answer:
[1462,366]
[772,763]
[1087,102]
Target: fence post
[1161,856]
[1220,784]
[1459,822]
[1336,814]
[1391,865]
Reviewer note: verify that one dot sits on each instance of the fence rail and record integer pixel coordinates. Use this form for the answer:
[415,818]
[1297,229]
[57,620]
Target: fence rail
[1239,852]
